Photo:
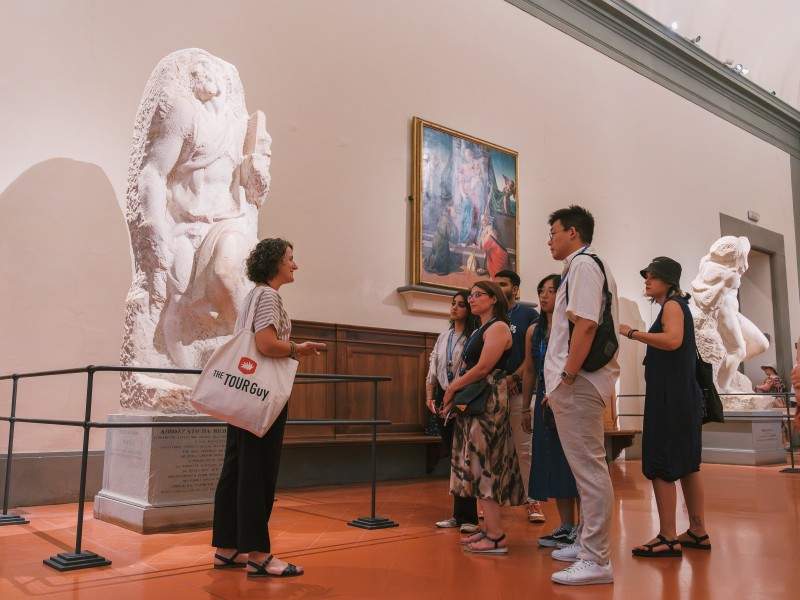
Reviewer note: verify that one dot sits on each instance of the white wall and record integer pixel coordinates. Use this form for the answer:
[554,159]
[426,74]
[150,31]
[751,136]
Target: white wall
[339,82]
[755,300]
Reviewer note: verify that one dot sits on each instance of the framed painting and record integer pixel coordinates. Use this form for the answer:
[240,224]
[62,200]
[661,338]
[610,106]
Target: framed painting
[466,203]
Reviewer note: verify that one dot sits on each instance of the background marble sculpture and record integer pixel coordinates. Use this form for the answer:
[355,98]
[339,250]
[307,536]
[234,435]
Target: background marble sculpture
[725,337]
[197,175]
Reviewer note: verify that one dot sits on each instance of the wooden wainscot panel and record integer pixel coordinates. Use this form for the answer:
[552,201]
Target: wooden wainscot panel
[355,350]
[401,355]
[314,400]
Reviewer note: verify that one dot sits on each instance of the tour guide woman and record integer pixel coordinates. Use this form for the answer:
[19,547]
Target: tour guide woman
[246,488]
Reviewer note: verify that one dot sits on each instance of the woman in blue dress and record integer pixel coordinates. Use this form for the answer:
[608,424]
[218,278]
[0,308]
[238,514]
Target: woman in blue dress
[550,475]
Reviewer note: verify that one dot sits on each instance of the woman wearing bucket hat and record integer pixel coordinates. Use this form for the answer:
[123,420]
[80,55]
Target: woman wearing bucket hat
[673,411]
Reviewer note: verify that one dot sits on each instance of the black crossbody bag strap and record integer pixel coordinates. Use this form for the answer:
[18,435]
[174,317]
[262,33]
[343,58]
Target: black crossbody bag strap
[606,292]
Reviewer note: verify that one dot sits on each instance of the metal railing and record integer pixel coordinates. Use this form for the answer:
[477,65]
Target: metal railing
[80,558]
[787,418]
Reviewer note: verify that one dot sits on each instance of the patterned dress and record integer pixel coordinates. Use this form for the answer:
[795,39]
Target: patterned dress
[484,461]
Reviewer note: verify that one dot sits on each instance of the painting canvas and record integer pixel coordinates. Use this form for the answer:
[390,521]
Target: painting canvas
[466,201]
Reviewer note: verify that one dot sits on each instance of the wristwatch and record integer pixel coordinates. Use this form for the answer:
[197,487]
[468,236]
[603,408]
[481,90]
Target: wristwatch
[569,378]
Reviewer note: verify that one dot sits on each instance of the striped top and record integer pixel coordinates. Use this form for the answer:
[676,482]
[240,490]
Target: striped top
[269,311]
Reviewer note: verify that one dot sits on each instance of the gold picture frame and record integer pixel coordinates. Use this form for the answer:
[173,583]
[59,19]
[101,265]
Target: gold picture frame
[465,194]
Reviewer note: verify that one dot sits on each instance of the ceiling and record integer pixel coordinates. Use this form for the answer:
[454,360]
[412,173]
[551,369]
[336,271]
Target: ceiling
[762,36]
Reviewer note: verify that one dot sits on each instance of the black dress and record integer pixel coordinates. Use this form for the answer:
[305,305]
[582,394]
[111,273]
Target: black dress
[673,409]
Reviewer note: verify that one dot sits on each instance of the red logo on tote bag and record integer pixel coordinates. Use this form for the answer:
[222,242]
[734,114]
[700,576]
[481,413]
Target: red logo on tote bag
[247,365]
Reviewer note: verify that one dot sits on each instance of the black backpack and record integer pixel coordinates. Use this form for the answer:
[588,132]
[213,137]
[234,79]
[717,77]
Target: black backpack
[605,343]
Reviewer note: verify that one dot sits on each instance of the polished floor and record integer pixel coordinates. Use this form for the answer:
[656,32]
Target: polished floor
[753,515]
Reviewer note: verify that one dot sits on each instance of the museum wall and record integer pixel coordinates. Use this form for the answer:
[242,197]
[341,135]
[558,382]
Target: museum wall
[340,82]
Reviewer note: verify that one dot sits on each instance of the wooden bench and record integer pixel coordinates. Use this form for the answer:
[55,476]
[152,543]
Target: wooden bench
[356,439]
[617,440]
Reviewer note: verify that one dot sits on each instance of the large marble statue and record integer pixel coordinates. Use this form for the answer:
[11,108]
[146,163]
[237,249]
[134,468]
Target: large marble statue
[725,337]
[197,175]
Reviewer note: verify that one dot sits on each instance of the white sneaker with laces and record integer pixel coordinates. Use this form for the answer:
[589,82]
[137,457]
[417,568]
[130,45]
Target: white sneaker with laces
[567,553]
[584,572]
[469,528]
[447,524]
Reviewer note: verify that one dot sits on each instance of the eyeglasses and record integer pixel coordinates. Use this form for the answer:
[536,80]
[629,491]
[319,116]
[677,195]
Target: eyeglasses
[553,233]
[475,295]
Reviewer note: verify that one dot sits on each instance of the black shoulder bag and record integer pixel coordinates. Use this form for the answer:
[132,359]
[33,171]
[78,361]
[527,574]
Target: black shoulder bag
[471,399]
[605,342]
[712,405]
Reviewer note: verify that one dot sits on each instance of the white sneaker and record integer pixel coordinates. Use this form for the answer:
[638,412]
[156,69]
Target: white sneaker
[567,553]
[447,524]
[469,528]
[584,572]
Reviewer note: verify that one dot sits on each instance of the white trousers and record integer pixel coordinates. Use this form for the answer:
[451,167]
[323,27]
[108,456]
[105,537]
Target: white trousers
[522,440]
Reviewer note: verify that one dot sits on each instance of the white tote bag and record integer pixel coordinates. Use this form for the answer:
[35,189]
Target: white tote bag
[240,385]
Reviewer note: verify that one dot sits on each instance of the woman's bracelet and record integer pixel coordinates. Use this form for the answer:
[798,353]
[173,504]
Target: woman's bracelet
[292,350]
[631,332]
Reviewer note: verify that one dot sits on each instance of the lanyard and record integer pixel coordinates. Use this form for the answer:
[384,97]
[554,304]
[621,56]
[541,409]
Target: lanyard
[450,350]
[569,266]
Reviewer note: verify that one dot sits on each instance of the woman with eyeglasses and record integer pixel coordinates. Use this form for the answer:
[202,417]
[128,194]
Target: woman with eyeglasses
[445,362]
[550,475]
[484,462]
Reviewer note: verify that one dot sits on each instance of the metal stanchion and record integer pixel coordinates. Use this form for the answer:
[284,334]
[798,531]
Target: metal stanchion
[374,521]
[81,559]
[5,518]
[790,427]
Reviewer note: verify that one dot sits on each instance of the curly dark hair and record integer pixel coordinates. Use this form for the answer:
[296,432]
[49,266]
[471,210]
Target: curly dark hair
[265,259]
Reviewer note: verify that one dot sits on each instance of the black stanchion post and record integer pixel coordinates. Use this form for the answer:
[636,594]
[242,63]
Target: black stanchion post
[81,559]
[5,518]
[789,426]
[374,521]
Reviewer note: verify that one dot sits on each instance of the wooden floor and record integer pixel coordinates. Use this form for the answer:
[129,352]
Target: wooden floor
[753,514]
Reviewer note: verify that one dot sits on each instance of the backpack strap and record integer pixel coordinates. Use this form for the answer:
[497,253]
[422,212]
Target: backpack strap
[606,292]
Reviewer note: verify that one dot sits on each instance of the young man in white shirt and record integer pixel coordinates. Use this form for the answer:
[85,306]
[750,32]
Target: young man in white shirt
[578,397]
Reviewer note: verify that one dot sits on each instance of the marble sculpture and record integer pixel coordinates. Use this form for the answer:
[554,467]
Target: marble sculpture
[197,176]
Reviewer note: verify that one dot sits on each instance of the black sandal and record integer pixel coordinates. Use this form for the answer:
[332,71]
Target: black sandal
[261,570]
[228,562]
[662,541]
[696,541]
[496,550]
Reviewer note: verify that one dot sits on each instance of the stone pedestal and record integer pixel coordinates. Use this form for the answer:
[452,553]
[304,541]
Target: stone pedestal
[746,439]
[161,478]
